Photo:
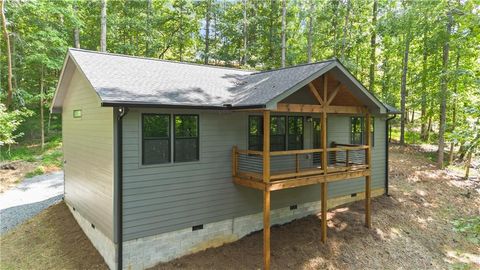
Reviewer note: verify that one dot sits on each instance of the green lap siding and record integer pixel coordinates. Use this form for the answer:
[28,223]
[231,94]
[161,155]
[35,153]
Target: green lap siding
[169,197]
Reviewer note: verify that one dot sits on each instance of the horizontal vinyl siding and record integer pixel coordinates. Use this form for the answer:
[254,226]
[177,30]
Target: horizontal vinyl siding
[168,197]
[88,152]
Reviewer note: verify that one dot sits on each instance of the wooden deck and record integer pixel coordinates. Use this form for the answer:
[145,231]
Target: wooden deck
[304,178]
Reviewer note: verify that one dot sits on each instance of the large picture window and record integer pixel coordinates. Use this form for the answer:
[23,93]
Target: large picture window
[155,138]
[283,134]
[186,138]
[295,133]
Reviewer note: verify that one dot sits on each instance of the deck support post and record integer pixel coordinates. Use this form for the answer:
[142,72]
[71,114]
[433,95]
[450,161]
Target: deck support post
[368,178]
[324,187]
[266,192]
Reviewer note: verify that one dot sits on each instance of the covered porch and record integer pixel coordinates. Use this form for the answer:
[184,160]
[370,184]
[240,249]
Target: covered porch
[269,171]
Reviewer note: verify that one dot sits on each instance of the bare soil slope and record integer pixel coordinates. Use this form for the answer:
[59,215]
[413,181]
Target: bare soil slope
[411,229]
[50,240]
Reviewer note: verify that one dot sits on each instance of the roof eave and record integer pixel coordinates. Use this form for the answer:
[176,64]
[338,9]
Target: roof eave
[179,106]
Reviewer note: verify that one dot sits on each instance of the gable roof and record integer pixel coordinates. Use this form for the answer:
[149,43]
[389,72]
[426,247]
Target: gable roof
[121,80]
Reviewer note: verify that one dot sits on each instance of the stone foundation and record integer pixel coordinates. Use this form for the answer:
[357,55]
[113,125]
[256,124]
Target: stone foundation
[148,251]
[102,243]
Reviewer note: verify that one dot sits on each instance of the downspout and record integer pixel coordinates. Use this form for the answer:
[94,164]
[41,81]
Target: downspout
[121,112]
[386,153]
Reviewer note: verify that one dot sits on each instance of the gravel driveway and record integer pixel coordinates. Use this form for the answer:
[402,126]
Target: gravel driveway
[29,198]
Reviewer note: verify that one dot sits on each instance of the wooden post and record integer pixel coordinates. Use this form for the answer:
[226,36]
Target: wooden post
[347,160]
[266,229]
[234,161]
[297,163]
[266,146]
[324,187]
[368,178]
[266,193]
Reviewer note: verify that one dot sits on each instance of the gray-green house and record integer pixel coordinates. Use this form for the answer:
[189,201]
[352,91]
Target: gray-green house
[163,158]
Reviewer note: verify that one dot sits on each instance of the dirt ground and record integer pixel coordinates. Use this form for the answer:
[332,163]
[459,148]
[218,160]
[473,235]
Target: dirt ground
[411,229]
[51,240]
[11,177]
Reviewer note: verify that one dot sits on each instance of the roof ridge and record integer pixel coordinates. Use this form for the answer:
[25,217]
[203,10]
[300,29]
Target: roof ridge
[161,60]
[300,65]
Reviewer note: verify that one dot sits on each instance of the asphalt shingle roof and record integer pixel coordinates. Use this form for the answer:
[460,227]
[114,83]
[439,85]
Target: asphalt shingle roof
[120,78]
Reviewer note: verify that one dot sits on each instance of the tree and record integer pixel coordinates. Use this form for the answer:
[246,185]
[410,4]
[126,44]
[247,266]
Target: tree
[284,30]
[8,102]
[443,91]
[403,93]
[103,32]
[373,46]
[310,31]
[76,30]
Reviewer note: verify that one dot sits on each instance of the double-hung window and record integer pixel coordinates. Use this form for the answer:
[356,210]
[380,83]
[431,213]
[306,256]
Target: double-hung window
[157,143]
[357,130]
[186,138]
[155,138]
[277,133]
[255,133]
[295,133]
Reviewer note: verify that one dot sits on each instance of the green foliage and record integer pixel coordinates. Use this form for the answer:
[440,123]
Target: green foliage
[38,171]
[33,152]
[41,31]
[9,123]
[470,227]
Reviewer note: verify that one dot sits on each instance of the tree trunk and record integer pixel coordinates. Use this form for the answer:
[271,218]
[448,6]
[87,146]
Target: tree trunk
[42,125]
[404,88]
[76,30]
[245,33]
[373,46]
[284,26]
[103,31]
[149,29]
[443,93]
[8,102]
[468,164]
[310,31]
[207,31]
[345,30]
[423,117]
[454,109]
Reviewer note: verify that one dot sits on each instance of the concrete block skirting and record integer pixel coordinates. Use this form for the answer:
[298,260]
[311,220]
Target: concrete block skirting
[146,252]
[102,243]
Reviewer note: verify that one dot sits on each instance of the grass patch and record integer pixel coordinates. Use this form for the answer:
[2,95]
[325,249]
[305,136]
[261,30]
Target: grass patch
[470,227]
[31,151]
[38,171]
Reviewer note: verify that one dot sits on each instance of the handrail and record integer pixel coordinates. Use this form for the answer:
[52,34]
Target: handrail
[250,152]
[293,152]
[303,151]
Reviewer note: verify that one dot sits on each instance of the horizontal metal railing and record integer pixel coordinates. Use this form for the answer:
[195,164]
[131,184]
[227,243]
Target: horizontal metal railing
[298,163]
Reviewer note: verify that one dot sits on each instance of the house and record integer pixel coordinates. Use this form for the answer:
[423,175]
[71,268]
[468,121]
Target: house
[164,158]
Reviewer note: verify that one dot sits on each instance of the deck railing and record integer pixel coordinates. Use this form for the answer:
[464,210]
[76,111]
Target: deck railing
[298,163]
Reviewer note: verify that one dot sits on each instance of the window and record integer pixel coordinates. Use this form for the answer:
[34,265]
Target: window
[255,132]
[295,132]
[277,133]
[186,138]
[77,113]
[357,129]
[283,135]
[155,138]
